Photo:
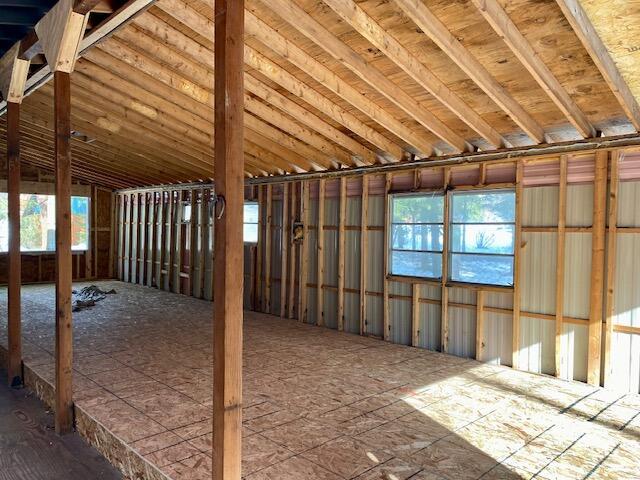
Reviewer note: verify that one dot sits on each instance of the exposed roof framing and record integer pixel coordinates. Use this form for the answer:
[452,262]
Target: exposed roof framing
[329,85]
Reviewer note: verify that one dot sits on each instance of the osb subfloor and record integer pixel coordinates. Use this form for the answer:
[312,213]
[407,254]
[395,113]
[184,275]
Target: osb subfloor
[323,405]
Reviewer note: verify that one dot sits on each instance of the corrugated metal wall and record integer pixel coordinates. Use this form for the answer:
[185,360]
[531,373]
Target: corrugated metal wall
[537,282]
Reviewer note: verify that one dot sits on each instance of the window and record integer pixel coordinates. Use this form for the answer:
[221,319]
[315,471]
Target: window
[37,223]
[251,222]
[416,235]
[481,235]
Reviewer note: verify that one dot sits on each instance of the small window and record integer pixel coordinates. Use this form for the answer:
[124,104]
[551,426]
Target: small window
[38,223]
[481,235]
[416,235]
[251,222]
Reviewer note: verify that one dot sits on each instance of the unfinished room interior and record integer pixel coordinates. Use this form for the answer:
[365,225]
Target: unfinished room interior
[319,239]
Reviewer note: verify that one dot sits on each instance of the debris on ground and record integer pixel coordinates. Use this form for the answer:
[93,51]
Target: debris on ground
[88,296]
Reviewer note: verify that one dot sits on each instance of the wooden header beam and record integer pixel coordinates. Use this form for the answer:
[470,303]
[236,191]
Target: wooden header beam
[13,75]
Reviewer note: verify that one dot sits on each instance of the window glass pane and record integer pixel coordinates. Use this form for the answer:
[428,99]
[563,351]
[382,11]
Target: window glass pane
[483,207]
[250,213]
[251,232]
[487,269]
[417,237]
[79,223]
[416,264]
[473,238]
[418,209]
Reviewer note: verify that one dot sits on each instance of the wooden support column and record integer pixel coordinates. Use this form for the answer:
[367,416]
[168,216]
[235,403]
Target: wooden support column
[267,252]
[14,328]
[193,242]
[415,315]
[480,300]
[444,295]
[165,213]
[228,263]
[341,253]
[364,243]
[260,251]
[64,330]
[204,240]
[320,257]
[561,241]
[304,260]
[517,260]
[292,255]
[284,247]
[611,266]
[597,268]
[386,324]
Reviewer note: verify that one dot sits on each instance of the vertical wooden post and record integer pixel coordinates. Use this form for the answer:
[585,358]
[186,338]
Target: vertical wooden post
[267,251]
[444,295]
[320,255]
[611,266]
[304,260]
[480,297]
[364,243]
[228,266]
[164,214]
[193,242]
[386,324]
[284,247]
[415,315]
[517,260]
[204,238]
[597,268]
[292,255]
[260,249]
[341,245]
[560,247]
[64,331]
[14,330]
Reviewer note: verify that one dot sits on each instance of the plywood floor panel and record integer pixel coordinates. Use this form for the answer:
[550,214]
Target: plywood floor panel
[319,404]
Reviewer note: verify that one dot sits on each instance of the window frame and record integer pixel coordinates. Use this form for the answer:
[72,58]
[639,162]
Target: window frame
[423,193]
[74,251]
[257,223]
[450,223]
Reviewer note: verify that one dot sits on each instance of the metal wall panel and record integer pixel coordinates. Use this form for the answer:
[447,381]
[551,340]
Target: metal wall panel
[351,312]
[629,204]
[580,205]
[352,259]
[577,275]
[400,313]
[374,315]
[430,318]
[538,273]
[540,206]
[330,309]
[462,331]
[498,338]
[537,345]
[575,341]
[375,261]
[625,359]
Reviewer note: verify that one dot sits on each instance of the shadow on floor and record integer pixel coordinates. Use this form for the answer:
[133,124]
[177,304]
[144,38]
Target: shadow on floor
[31,450]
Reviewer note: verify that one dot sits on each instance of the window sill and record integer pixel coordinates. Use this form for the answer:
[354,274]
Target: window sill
[436,281]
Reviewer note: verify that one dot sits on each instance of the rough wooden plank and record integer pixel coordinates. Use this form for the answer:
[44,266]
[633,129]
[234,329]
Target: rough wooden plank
[14,318]
[320,255]
[444,310]
[597,268]
[64,335]
[611,265]
[228,267]
[304,260]
[267,250]
[386,324]
[480,344]
[560,248]
[258,301]
[284,248]
[342,215]
[292,255]
[415,315]
[364,248]
[517,261]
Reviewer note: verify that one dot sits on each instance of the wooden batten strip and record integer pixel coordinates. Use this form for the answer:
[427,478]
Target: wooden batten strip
[364,248]
[480,319]
[597,268]
[266,305]
[386,324]
[193,242]
[320,254]
[341,251]
[517,262]
[415,315]
[292,254]
[561,242]
[304,260]
[444,311]
[284,248]
[259,299]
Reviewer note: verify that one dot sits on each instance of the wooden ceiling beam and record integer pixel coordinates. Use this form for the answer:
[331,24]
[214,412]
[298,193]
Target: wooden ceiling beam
[351,13]
[418,12]
[204,27]
[191,49]
[587,34]
[495,15]
[13,75]
[314,31]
